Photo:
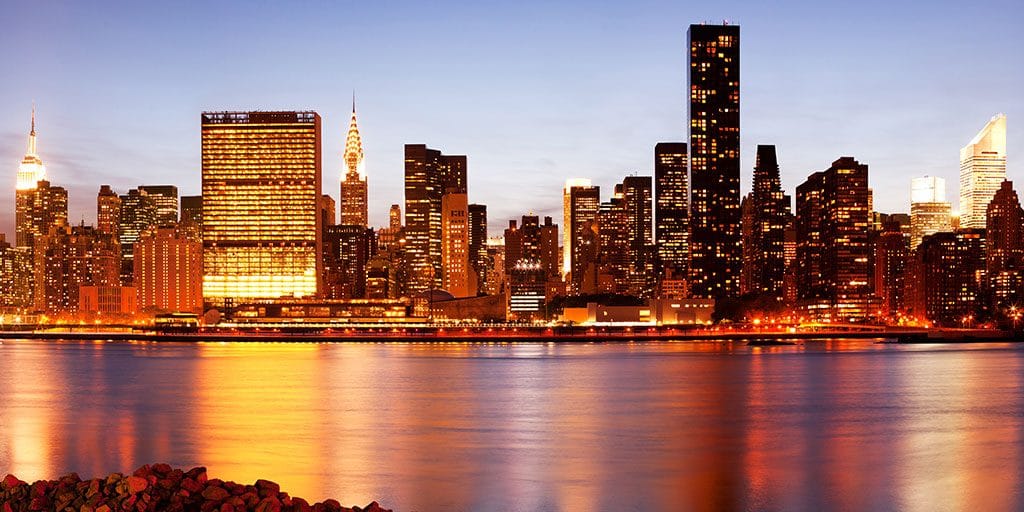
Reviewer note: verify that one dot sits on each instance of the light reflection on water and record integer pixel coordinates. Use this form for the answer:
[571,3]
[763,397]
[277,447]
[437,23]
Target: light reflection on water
[661,426]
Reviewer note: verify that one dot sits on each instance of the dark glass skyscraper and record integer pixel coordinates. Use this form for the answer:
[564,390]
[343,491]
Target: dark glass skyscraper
[714,127]
[764,264]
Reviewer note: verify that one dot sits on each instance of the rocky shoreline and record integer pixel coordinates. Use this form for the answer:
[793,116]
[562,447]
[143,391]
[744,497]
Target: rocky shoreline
[157,488]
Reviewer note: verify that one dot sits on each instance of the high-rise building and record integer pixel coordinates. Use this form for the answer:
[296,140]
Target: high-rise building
[353,184]
[40,209]
[429,175]
[949,270]
[478,261]
[347,250]
[168,270]
[15,275]
[30,172]
[1004,252]
[672,201]
[982,170]
[165,198]
[67,258]
[714,127]
[580,202]
[929,211]
[108,210]
[261,190]
[327,210]
[395,217]
[637,204]
[832,243]
[612,251]
[892,250]
[764,262]
[192,209]
[455,256]
[139,213]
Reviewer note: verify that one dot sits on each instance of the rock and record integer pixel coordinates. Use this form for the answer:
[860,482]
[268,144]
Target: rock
[269,504]
[10,482]
[267,488]
[136,483]
[213,493]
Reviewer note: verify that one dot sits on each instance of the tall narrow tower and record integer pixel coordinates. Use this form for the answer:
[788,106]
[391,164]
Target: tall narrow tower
[353,185]
[30,172]
[982,171]
[714,125]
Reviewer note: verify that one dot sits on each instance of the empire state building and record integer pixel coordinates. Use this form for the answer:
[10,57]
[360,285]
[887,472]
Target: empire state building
[353,185]
[30,173]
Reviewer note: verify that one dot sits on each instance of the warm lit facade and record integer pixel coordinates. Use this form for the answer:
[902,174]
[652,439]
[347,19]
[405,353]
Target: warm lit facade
[67,258]
[261,190]
[108,300]
[429,175]
[832,243]
[108,210]
[353,184]
[714,127]
[30,172]
[948,277]
[892,252]
[168,270]
[138,215]
[347,251]
[1004,251]
[455,244]
[929,211]
[165,200]
[982,170]
[671,205]
[581,202]
[15,275]
[39,209]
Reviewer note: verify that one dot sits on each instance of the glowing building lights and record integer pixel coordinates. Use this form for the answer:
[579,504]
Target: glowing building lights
[261,216]
[982,170]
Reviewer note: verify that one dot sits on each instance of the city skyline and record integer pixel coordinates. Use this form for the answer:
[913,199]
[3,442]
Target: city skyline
[565,139]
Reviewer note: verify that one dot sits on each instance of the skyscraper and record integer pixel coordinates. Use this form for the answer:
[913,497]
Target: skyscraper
[328,209]
[192,209]
[832,242]
[947,270]
[478,260]
[40,208]
[455,248]
[1004,233]
[581,203]
[672,201]
[929,211]
[261,190]
[347,249]
[138,214]
[353,184]
[68,258]
[165,198]
[108,210]
[429,175]
[30,172]
[764,263]
[15,275]
[892,250]
[168,269]
[714,127]
[637,203]
[982,170]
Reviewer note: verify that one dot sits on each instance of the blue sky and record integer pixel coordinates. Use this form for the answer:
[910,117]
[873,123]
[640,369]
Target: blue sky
[532,92]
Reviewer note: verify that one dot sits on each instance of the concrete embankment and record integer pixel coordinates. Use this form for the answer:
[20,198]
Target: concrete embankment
[157,488]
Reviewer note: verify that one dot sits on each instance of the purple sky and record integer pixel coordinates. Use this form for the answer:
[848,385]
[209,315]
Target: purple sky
[532,92]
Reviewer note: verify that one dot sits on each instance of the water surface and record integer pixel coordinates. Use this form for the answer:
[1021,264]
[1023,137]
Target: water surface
[618,426]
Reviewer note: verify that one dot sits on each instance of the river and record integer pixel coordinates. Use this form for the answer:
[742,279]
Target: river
[842,424]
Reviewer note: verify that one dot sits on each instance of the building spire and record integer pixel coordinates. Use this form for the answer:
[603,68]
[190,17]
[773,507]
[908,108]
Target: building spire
[353,147]
[32,133]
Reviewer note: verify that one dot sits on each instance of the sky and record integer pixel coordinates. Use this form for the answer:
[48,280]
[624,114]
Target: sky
[532,92]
